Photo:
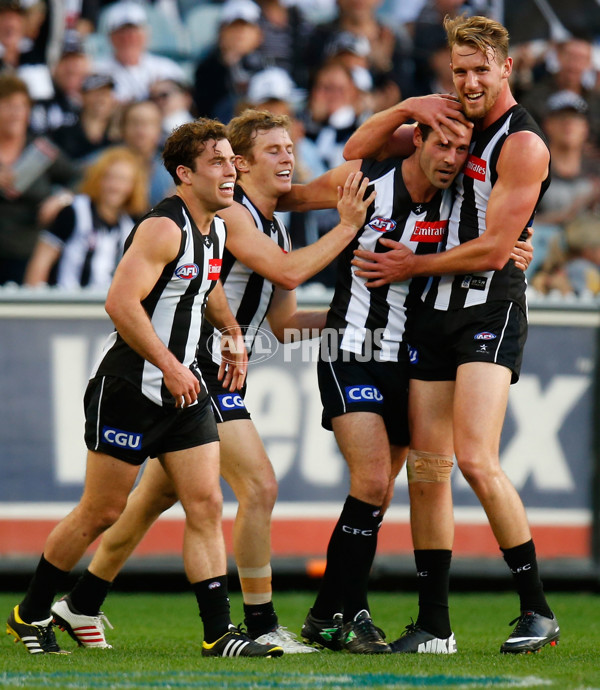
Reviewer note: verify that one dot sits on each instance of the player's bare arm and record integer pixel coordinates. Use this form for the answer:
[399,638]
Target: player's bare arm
[384,136]
[262,255]
[287,321]
[522,167]
[155,244]
[234,357]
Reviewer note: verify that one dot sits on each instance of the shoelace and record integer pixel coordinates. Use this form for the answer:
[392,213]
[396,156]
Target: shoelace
[412,627]
[521,624]
[286,634]
[48,639]
[368,629]
[101,619]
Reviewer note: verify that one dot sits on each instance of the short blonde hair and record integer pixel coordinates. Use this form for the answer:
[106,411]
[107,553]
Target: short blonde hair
[136,203]
[481,33]
[242,130]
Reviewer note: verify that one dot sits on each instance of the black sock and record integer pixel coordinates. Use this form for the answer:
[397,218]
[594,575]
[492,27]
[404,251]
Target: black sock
[433,572]
[45,583]
[89,593]
[522,562]
[213,602]
[329,598]
[260,619]
[349,559]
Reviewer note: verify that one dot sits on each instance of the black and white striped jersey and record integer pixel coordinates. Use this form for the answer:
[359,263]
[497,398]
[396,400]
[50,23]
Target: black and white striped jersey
[374,318]
[90,247]
[175,304]
[248,293]
[468,221]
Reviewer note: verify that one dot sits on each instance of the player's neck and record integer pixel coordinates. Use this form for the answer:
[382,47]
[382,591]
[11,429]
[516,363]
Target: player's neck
[266,203]
[202,216]
[504,102]
[419,187]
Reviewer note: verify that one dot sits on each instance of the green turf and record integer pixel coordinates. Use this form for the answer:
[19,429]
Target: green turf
[157,645]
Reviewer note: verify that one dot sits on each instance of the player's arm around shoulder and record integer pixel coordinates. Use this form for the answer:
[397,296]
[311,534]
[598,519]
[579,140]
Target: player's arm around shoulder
[522,167]
[257,251]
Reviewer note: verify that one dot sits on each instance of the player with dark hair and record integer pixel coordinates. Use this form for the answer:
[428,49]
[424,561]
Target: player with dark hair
[466,333]
[259,273]
[147,398]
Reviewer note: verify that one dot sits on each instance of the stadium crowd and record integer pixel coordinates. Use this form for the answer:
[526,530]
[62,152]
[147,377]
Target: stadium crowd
[81,77]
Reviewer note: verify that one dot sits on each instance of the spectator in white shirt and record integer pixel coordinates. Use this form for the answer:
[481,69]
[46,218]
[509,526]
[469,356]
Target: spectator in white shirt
[131,66]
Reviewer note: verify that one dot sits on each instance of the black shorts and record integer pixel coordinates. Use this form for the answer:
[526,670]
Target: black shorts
[226,406]
[440,341]
[347,385]
[120,421]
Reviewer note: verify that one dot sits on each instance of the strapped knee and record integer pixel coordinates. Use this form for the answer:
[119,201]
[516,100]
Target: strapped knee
[428,467]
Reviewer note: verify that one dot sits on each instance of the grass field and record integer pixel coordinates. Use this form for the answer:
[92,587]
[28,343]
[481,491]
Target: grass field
[157,645]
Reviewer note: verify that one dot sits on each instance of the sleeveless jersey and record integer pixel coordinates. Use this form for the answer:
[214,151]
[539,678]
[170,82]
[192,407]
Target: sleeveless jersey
[248,293]
[468,220]
[91,250]
[175,305]
[374,318]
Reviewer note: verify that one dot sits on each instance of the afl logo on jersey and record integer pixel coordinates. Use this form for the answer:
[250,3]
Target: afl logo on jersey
[380,224]
[484,335]
[187,271]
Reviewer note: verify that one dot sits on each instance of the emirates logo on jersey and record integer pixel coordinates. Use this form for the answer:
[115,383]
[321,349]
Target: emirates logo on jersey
[429,231]
[214,269]
[475,168]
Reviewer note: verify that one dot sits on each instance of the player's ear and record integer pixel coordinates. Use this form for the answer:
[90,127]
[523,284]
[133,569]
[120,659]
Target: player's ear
[183,173]
[241,164]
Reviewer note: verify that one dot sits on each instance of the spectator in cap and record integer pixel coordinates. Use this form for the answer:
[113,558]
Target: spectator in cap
[63,108]
[387,53]
[221,77]
[573,68]
[575,185]
[132,67]
[174,98]
[92,131]
[16,54]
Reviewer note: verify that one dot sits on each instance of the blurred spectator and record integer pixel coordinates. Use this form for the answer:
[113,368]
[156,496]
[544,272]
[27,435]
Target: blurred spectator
[575,181]
[386,54]
[132,67]
[174,98]
[30,168]
[141,132]
[429,36]
[573,70]
[221,78]
[83,245]
[573,263]
[333,112]
[92,131]
[575,184]
[16,54]
[285,36]
[62,109]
